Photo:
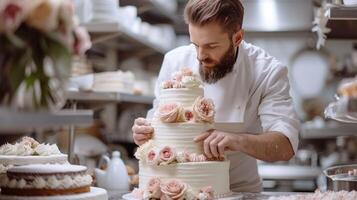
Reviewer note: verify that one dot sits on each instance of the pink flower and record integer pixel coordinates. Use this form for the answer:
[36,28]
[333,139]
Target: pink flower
[12,14]
[183,157]
[185,71]
[197,158]
[153,187]
[152,157]
[188,115]
[203,110]
[167,155]
[138,193]
[169,112]
[82,41]
[177,76]
[174,189]
[206,193]
[177,84]
[167,84]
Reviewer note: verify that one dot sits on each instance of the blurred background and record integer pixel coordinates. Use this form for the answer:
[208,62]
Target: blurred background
[114,82]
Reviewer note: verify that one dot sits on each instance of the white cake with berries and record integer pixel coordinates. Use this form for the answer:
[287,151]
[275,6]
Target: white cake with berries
[171,164]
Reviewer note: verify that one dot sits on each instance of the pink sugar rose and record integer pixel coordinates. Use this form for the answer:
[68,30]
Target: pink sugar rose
[174,190]
[185,71]
[197,158]
[153,187]
[152,157]
[167,155]
[188,115]
[206,193]
[169,112]
[177,76]
[27,141]
[167,84]
[177,84]
[203,110]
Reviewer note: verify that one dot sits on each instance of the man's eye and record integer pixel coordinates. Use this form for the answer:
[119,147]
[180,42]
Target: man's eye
[212,47]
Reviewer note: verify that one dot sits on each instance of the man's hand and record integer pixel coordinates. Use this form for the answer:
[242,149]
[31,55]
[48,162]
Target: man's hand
[215,143]
[142,131]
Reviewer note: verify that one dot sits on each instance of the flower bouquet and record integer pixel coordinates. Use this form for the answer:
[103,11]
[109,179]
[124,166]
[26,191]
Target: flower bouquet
[37,41]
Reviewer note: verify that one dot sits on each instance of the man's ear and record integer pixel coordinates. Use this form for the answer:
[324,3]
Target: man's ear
[237,37]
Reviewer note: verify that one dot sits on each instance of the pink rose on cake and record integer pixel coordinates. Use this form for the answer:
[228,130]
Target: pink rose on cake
[167,84]
[183,157]
[174,189]
[153,187]
[177,76]
[206,193]
[138,193]
[29,142]
[169,112]
[185,71]
[167,156]
[153,157]
[203,110]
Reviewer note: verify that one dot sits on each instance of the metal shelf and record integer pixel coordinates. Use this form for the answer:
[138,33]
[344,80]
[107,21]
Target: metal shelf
[19,121]
[328,130]
[342,21]
[108,97]
[151,11]
[105,32]
[338,12]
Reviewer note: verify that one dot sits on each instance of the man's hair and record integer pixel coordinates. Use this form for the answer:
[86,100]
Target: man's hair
[229,13]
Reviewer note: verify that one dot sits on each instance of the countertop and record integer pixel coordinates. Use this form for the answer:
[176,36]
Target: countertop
[238,196]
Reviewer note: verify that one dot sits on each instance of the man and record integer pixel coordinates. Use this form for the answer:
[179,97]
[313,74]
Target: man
[246,84]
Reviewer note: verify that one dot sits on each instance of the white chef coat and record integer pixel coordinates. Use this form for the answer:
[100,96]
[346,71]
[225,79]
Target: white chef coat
[256,93]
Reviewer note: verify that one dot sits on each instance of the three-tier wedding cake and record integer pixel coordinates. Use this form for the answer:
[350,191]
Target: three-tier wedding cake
[172,165]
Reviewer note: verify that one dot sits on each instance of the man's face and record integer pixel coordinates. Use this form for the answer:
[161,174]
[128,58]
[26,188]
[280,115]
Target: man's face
[215,51]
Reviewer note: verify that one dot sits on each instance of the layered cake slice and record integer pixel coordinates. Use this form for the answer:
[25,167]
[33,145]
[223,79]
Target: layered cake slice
[29,151]
[46,180]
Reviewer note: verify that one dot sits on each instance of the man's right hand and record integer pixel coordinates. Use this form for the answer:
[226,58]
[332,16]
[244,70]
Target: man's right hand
[142,131]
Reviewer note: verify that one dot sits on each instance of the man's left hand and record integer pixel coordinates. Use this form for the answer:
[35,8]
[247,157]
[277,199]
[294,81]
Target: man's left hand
[215,143]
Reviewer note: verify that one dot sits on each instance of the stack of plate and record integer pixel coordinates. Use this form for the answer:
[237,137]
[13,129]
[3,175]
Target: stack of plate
[105,10]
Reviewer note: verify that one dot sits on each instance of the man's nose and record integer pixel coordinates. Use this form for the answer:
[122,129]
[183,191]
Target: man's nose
[201,54]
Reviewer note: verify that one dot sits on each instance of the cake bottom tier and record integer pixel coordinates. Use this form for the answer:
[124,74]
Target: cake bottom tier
[195,174]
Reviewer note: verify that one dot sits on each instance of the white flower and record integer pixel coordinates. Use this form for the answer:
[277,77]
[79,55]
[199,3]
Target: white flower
[23,150]
[143,150]
[190,82]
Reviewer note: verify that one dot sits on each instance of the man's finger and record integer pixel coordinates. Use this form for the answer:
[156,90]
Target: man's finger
[141,122]
[222,146]
[202,136]
[206,145]
[214,145]
[142,129]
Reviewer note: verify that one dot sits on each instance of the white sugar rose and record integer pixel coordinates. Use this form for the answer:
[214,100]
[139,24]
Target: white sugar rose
[203,110]
[191,82]
[8,149]
[153,187]
[23,150]
[29,142]
[183,157]
[47,150]
[143,150]
[206,193]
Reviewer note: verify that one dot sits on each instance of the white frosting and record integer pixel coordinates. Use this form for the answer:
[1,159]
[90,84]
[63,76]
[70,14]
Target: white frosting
[179,135]
[184,96]
[94,194]
[23,150]
[47,149]
[196,175]
[8,149]
[48,182]
[191,82]
[25,160]
[47,169]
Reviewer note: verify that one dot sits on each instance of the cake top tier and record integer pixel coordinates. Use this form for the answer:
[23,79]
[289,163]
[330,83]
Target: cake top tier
[47,169]
[182,79]
[29,147]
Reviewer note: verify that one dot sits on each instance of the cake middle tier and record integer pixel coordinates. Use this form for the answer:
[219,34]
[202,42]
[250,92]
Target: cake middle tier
[179,135]
[195,174]
[184,96]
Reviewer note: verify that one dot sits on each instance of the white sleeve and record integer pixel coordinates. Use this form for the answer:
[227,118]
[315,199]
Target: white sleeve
[276,109]
[167,68]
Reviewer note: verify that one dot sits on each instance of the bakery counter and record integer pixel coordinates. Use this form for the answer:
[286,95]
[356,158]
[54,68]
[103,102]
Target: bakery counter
[235,196]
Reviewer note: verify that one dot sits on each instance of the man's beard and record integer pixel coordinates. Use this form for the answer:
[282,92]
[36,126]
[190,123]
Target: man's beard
[219,70]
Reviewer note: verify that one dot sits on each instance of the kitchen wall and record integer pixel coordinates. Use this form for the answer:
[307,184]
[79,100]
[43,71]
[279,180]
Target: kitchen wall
[283,45]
